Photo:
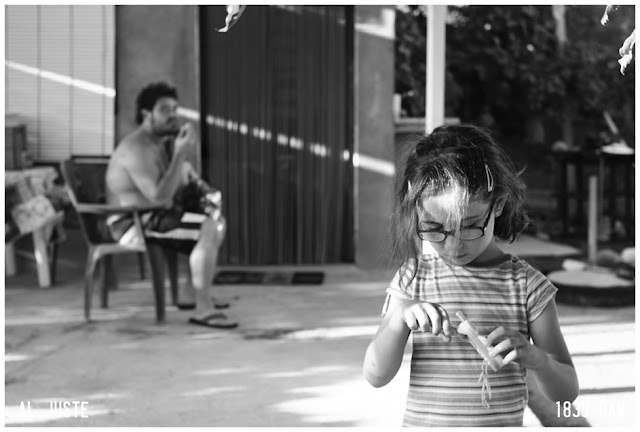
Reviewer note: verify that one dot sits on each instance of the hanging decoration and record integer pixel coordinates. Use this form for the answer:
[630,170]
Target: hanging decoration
[626,50]
[233,15]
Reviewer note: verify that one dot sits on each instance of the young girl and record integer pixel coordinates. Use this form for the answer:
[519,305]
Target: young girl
[459,191]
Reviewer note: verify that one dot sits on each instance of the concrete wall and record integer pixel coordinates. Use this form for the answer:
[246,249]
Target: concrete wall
[44,43]
[155,43]
[374,132]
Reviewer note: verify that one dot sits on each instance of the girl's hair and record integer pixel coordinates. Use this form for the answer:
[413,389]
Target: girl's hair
[459,161]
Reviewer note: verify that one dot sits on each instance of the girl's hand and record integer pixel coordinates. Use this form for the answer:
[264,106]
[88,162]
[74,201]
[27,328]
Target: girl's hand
[424,316]
[514,347]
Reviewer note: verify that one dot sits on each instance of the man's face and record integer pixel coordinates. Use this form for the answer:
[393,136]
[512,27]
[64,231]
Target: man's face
[163,118]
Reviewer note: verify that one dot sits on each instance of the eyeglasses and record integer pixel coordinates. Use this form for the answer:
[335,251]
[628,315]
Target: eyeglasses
[469,233]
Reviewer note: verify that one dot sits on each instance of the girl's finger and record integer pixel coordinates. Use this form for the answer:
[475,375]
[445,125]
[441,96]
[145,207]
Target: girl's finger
[447,327]
[445,337]
[410,319]
[495,335]
[422,319]
[511,356]
[434,316]
[446,321]
[503,346]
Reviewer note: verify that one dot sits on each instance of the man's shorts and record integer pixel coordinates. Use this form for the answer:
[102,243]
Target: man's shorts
[169,227]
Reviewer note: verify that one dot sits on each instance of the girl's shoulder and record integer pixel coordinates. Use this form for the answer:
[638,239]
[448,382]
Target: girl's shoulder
[409,275]
[505,262]
[522,266]
[509,266]
[531,279]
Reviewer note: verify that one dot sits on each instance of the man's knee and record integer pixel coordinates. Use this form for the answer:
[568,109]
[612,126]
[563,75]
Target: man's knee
[213,231]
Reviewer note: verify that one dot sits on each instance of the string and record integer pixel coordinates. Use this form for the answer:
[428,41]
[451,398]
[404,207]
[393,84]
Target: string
[484,378]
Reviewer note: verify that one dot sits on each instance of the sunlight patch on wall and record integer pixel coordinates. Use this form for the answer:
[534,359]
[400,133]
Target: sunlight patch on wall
[365,162]
[62,79]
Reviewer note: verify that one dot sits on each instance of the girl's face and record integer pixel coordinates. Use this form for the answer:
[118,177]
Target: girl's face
[433,217]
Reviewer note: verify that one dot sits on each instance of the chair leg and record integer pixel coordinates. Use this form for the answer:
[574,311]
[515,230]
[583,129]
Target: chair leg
[156,259]
[56,237]
[111,276]
[143,275]
[105,270]
[88,284]
[54,261]
[172,265]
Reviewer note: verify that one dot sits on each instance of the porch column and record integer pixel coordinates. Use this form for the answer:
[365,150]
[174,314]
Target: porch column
[436,38]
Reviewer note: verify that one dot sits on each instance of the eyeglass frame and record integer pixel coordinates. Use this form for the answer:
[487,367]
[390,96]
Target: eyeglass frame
[448,233]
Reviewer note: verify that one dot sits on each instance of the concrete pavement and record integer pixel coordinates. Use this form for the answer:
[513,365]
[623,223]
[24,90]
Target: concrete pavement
[295,360]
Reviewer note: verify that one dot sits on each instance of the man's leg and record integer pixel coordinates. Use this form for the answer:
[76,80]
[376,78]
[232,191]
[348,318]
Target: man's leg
[203,261]
[186,293]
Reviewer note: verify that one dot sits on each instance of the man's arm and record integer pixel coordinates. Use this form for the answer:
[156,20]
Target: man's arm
[156,187]
[189,173]
[160,187]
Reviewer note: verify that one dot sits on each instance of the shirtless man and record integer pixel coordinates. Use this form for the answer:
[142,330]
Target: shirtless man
[140,173]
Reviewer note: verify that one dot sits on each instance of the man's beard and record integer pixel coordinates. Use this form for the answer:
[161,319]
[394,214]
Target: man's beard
[165,130]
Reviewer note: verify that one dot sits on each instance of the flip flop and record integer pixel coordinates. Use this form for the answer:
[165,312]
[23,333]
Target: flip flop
[191,306]
[207,321]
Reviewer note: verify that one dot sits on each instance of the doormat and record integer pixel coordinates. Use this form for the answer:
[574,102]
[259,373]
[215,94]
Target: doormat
[269,278]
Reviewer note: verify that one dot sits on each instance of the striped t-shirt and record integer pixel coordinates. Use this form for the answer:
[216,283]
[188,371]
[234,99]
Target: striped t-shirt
[444,388]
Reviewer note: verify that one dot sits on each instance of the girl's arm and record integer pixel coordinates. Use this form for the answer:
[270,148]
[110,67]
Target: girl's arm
[556,376]
[548,357]
[384,354]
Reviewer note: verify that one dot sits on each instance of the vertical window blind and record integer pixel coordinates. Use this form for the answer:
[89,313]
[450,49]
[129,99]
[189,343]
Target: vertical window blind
[278,139]
[59,76]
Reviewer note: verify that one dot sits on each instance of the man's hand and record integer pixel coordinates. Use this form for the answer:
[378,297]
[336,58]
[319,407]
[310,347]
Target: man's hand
[185,140]
[188,173]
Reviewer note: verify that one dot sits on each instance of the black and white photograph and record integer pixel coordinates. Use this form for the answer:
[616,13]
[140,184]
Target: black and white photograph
[361,215]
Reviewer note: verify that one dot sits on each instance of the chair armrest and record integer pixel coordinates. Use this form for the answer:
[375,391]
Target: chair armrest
[106,209]
[56,218]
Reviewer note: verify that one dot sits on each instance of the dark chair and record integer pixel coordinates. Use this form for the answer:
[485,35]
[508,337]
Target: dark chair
[85,183]
[98,161]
